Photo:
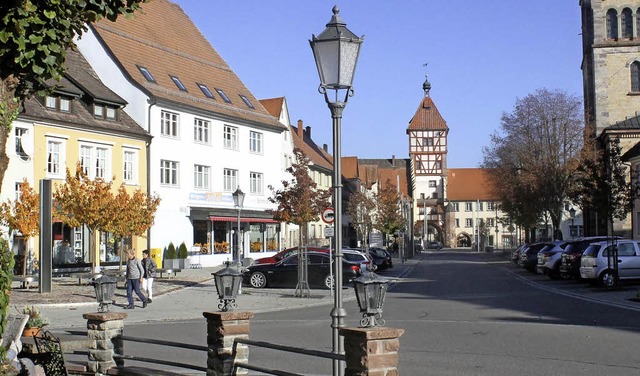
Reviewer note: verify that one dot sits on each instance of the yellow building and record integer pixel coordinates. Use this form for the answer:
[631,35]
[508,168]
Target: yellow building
[82,121]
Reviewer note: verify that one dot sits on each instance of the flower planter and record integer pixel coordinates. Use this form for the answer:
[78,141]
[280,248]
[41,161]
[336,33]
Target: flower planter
[30,332]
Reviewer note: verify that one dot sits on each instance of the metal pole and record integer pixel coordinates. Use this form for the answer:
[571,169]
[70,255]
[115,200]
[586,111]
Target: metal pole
[338,313]
[238,239]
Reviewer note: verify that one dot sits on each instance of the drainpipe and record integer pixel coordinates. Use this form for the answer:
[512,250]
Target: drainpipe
[152,102]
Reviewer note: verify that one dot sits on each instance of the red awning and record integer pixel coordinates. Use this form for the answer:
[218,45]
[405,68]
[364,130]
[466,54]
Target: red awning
[235,219]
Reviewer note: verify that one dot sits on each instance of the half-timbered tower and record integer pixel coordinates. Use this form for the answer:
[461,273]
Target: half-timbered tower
[427,133]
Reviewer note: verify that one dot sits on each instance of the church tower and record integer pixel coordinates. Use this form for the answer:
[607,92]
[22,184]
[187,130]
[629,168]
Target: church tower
[427,133]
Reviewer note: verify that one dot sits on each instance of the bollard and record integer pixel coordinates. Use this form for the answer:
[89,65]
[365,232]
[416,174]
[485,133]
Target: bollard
[104,330]
[371,351]
[222,329]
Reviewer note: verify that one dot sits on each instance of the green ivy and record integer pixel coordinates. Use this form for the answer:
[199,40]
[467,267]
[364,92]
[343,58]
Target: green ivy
[6,276]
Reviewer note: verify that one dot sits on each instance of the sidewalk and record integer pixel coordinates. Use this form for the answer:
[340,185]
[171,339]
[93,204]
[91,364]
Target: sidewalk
[181,298]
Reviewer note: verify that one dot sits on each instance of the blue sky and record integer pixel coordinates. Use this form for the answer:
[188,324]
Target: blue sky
[482,55]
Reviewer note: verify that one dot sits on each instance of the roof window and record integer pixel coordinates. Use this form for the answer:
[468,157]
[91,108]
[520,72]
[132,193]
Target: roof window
[205,90]
[178,83]
[223,95]
[246,101]
[145,72]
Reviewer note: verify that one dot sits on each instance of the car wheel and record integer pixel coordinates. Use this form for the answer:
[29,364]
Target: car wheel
[609,279]
[258,280]
[328,281]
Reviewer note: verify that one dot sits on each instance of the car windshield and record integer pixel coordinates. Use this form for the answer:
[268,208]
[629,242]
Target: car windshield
[377,252]
[592,250]
[353,256]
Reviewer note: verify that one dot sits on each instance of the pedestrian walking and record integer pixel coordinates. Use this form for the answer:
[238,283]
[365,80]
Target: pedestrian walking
[149,266]
[134,277]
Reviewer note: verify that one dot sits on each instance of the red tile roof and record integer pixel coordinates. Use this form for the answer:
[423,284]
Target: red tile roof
[350,168]
[427,117]
[395,176]
[466,184]
[273,106]
[164,40]
[302,140]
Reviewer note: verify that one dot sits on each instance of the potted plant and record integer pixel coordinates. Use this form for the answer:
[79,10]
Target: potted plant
[35,322]
[169,257]
[183,257]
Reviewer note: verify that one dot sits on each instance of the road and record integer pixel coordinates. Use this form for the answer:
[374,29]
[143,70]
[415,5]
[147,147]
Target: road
[463,314]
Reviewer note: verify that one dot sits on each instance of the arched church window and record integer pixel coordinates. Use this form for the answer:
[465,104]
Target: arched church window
[612,24]
[626,21]
[635,77]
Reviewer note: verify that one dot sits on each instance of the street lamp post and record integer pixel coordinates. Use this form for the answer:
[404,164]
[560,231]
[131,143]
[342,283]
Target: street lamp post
[238,201]
[572,215]
[336,51]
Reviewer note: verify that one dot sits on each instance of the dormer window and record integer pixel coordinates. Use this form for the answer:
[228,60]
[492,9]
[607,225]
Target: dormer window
[178,83]
[57,103]
[223,95]
[145,72]
[205,90]
[246,101]
[102,111]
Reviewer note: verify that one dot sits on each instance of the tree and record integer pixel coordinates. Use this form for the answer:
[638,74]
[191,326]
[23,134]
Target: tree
[533,159]
[23,215]
[300,201]
[388,218]
[361,209]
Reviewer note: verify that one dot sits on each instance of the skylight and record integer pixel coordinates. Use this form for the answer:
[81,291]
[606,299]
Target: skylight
[178,83]
[145,72]
[246,101]
[223,95]
[205,90]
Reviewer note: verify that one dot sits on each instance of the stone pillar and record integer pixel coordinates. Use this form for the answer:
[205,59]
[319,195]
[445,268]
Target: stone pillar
[222,329]
[104,330]
[371,351]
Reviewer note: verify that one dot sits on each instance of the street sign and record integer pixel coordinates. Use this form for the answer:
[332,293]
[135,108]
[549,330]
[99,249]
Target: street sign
[328,216]
[328,232]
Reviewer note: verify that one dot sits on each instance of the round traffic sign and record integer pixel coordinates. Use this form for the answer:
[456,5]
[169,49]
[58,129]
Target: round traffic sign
[328,215]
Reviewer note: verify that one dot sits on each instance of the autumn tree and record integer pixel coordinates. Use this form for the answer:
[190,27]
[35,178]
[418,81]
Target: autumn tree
[388,218]
[534,155]
[23,215]
[300,201]
[361,209]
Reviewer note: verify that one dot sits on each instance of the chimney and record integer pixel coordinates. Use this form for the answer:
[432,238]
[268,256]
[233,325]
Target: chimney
[307,130]
[393,160]
[325,147]
[299,130]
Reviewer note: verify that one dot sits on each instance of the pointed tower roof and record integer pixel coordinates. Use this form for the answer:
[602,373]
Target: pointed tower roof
[427,116]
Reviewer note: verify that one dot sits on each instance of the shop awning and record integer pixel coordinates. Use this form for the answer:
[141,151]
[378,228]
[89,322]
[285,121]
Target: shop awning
[242,219]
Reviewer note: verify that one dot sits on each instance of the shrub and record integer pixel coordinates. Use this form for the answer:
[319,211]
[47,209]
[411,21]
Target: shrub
[171,252]
[6,265]
[183,253]
[36,319]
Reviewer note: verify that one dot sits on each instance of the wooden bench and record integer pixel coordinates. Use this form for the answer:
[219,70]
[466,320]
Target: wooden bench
[25,280]
[83,275]
[168,272]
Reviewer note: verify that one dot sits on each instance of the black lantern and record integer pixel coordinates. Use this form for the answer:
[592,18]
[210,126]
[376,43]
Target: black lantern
[105,287]
[370,292]
[228,281]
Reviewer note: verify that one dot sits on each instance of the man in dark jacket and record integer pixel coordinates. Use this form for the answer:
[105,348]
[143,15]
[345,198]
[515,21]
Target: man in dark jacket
[149,266]
[134,277]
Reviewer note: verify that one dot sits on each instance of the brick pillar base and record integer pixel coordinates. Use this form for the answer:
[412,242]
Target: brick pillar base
[371,351]
[104,330]
[222,329]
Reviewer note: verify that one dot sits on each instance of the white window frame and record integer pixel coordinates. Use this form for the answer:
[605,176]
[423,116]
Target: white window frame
[169,173]
[231,137]
[201,130]
[255,142]
[468,222]
[129,166]
[169,124]
[230,177]
[201,177]
[468,206]
[255,183]
[56,157]
[85,155]
[18,188]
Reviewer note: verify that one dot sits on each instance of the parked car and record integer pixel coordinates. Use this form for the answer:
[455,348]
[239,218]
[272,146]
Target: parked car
[599,260]
[549,259]
[570,258]
[286,253]
[381,258]
[360,257]
[285,272]
[515,254]
[434,245]
[529,256]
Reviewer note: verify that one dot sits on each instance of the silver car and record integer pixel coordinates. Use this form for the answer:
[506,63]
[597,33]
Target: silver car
[599,260]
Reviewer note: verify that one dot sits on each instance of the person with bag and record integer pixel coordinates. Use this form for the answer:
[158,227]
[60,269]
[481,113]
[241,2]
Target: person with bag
[135,272]
[149,266]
